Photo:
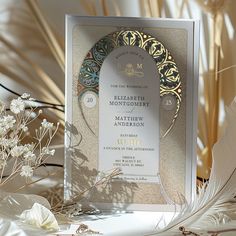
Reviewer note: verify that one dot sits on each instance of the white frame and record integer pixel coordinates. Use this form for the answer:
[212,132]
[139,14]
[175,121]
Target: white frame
[192,27]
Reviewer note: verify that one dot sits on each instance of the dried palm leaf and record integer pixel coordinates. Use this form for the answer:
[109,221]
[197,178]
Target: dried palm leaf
[90,7]
[104,8]
[41,73]
[47,33]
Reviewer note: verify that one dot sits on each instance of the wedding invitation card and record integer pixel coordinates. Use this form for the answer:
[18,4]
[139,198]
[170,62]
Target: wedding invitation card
[131,104]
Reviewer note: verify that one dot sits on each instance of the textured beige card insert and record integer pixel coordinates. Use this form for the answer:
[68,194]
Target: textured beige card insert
[85,138]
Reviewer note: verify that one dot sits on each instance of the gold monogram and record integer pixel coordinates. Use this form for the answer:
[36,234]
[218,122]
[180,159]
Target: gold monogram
[130,71]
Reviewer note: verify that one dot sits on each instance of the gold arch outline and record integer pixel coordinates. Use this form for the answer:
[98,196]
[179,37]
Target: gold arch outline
[170,80]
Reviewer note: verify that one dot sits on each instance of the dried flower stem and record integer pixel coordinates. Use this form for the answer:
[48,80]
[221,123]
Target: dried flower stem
[39,101]
[44,107]
[38,180]
[227,68]
[59,207]
[22,159]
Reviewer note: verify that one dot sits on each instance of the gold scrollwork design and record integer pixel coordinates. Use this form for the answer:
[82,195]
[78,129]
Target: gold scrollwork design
[170,80]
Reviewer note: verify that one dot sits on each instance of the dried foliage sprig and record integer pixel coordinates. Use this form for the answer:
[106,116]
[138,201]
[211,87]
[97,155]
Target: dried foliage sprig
[49,105]
[35,100]
[73,206]
[17,157]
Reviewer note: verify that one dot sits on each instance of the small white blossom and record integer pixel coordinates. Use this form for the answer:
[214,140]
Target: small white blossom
[29,156]
[46,124]
[52,152]
[17,151]
[2,106]
[47,151]
[12,128]
[3,130]
[2,122]
[9,121]
[25,149]
[3,156]
[30,114]
[26,171]
[25,95]
[101,175]
[17,106]
[24,127]
[29,147]
[4,142]
[13,141]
